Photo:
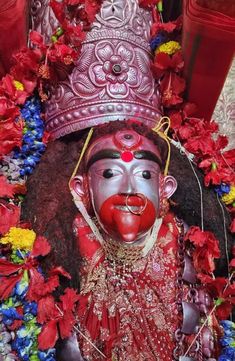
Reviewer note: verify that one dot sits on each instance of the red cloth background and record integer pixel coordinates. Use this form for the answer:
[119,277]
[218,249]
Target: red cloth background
[13,30]
[208,48]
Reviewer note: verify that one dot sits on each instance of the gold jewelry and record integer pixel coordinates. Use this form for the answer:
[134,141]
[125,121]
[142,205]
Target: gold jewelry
[121,253]
[140,195]
[164,207]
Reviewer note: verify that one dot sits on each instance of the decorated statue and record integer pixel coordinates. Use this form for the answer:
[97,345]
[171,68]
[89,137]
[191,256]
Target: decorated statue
[118,201]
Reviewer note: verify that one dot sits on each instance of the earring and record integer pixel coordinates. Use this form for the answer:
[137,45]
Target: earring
[164,207]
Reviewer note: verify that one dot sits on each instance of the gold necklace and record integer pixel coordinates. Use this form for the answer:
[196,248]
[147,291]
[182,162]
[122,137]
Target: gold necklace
[121,253]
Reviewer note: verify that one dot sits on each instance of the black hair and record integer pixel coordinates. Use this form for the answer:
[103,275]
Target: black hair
[49,207]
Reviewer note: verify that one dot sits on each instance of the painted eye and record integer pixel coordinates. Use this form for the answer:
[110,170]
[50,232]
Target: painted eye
[146,174]
[108,173]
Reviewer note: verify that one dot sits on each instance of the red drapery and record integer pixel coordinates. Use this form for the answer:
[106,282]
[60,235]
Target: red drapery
[208,48]
[13,30]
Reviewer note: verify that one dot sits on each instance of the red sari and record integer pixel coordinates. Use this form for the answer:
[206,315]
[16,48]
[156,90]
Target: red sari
[129,313]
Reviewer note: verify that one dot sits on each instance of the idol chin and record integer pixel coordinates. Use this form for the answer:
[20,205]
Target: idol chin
[127,218]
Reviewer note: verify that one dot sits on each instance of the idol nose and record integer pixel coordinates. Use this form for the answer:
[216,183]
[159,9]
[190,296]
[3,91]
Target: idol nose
[128,185]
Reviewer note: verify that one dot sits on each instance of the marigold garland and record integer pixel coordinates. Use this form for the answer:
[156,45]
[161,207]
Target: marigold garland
[170,47]
[19,238]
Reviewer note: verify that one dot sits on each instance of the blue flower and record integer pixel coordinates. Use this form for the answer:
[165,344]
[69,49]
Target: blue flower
[222,189]
[33,146]
[47,355]
[229,351]
[226,341]
[31,307]
[224,358]
[158,40]
[9,315]
[21,289]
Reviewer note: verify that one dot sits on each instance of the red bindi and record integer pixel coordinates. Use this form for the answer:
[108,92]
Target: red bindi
[127,156]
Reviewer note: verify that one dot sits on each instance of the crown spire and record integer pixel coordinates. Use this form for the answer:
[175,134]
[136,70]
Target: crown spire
[112,79]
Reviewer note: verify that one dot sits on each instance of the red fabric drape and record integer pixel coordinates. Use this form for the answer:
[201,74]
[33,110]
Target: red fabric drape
[13,30]
[208,48]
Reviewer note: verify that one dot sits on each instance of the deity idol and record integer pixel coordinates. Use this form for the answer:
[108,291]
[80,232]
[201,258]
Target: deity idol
[139,298]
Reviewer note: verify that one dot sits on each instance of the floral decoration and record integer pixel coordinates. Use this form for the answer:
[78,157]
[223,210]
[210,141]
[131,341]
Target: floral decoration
[28,330]
[200,138]
[31,317]
[28,309]
[113,70]
[228,341]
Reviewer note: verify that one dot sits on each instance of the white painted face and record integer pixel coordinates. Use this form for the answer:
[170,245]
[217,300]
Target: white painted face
[108,177]
[125,186]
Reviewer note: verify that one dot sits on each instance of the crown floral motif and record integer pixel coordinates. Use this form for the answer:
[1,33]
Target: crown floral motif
[112,79]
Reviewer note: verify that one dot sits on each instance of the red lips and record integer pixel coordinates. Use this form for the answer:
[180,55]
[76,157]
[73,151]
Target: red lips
[121,223]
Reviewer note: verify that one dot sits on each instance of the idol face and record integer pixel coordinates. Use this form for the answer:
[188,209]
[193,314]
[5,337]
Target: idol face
[125,185]
[124,196]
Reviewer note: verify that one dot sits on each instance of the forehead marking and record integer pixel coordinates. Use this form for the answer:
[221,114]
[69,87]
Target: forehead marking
[128,156]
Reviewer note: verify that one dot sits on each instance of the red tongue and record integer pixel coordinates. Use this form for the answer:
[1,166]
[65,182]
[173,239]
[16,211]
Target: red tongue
[127,225]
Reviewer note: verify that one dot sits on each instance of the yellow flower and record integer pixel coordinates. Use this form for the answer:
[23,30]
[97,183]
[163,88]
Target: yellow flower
[169,48]
[18,85]
[230,197]
[19,238]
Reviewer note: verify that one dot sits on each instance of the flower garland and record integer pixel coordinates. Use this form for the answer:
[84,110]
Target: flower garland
[32,319]
[31,316]
[228,341]
[199,137]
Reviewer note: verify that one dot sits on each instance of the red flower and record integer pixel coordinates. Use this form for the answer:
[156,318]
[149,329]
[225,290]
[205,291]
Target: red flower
[206,249]
[197,126]
[168,27]
[232,226]
[56,317]
[8,190]
[9,216]
[12,273]
[59,10]
[199,144]
[218,176]
[37,39]
[8,88]
[224,294]
[39,287]
[11,134]
[164,62]
[74,35]
[179,116]
[8,109]
[63,53]
[26,67]
[232,263]
[92,8]
[172,87]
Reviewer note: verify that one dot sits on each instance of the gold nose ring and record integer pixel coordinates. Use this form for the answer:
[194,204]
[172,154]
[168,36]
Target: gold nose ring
[141,211]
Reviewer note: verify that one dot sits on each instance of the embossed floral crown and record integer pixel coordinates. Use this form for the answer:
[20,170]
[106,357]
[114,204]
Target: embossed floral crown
[112,79]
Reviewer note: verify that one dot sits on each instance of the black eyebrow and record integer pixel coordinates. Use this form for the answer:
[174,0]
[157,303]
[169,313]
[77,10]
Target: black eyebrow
[103,154]
[114,154]
[146,154]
